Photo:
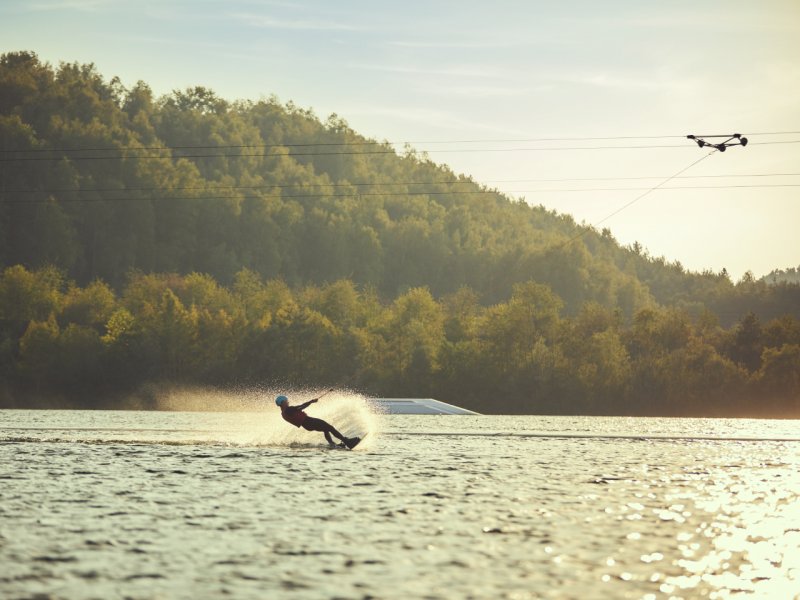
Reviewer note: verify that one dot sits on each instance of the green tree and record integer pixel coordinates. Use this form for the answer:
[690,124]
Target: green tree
[38,352]
[779,379]
[91,306]
[28,295]
[305,346]
[80,361]
[400,350]
[604,372]
[512,330]
[746,342]
[170,330]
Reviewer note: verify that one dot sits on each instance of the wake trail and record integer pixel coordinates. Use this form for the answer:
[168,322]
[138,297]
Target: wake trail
[591,436]
[197,417]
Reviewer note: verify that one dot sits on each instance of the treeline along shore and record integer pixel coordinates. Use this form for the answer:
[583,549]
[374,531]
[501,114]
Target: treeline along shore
[66,345]
[189,239]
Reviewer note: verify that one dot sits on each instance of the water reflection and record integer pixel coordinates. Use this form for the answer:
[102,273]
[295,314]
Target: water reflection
[733,519]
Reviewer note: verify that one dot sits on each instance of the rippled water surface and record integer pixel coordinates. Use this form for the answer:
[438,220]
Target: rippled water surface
[208,505]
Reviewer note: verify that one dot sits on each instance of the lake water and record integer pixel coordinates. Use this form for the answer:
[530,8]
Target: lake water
[241,504]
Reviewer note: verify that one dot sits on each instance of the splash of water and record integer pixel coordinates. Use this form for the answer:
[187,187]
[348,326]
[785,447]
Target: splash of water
[249,417]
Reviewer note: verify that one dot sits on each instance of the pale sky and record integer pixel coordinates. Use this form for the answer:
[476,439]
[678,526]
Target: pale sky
[461,75]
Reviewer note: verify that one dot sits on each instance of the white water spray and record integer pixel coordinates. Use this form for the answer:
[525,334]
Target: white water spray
[250,417]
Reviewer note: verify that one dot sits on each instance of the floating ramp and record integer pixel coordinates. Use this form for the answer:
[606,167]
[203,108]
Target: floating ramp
[419,406]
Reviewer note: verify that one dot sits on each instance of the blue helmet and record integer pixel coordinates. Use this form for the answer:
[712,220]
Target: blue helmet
[281,400]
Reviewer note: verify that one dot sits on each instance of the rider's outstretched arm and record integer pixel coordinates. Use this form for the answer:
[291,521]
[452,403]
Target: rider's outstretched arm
[305,405]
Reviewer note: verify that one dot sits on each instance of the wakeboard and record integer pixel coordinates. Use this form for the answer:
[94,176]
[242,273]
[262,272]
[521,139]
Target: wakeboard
[336,447]
[353,442]
[348,445]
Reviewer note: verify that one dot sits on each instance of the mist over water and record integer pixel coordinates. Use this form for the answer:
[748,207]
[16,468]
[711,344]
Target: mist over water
[208,504]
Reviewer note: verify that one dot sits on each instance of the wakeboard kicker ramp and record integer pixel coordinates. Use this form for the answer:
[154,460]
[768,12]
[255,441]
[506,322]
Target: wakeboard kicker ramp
[418,406]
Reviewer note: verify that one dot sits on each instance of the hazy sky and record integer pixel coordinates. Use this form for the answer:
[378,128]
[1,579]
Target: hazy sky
[493,83]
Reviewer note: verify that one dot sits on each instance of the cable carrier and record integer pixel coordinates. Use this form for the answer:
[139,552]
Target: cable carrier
[734,139]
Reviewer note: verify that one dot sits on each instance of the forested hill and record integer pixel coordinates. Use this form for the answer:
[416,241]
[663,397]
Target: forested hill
[99,180]
[191,239]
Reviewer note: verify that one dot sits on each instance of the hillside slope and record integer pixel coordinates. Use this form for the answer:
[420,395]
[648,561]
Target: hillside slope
[99,179]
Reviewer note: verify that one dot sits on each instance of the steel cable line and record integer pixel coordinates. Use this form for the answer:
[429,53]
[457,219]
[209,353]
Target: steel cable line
[634,201]
[291,154]
[378,143]
[652,189]
[577,139]
[345,153]
[387,195]
[327,144]
[267,186]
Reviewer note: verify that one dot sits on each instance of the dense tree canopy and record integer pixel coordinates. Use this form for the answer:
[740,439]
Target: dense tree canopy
[523,355]
[194,239]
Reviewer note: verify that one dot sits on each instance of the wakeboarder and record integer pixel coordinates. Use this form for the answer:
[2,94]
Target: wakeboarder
[296,416]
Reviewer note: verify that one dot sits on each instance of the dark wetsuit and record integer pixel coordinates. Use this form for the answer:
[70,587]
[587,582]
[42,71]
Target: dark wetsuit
[296,416]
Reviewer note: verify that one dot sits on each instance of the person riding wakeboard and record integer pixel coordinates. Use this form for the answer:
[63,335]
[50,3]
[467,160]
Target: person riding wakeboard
[297,417]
